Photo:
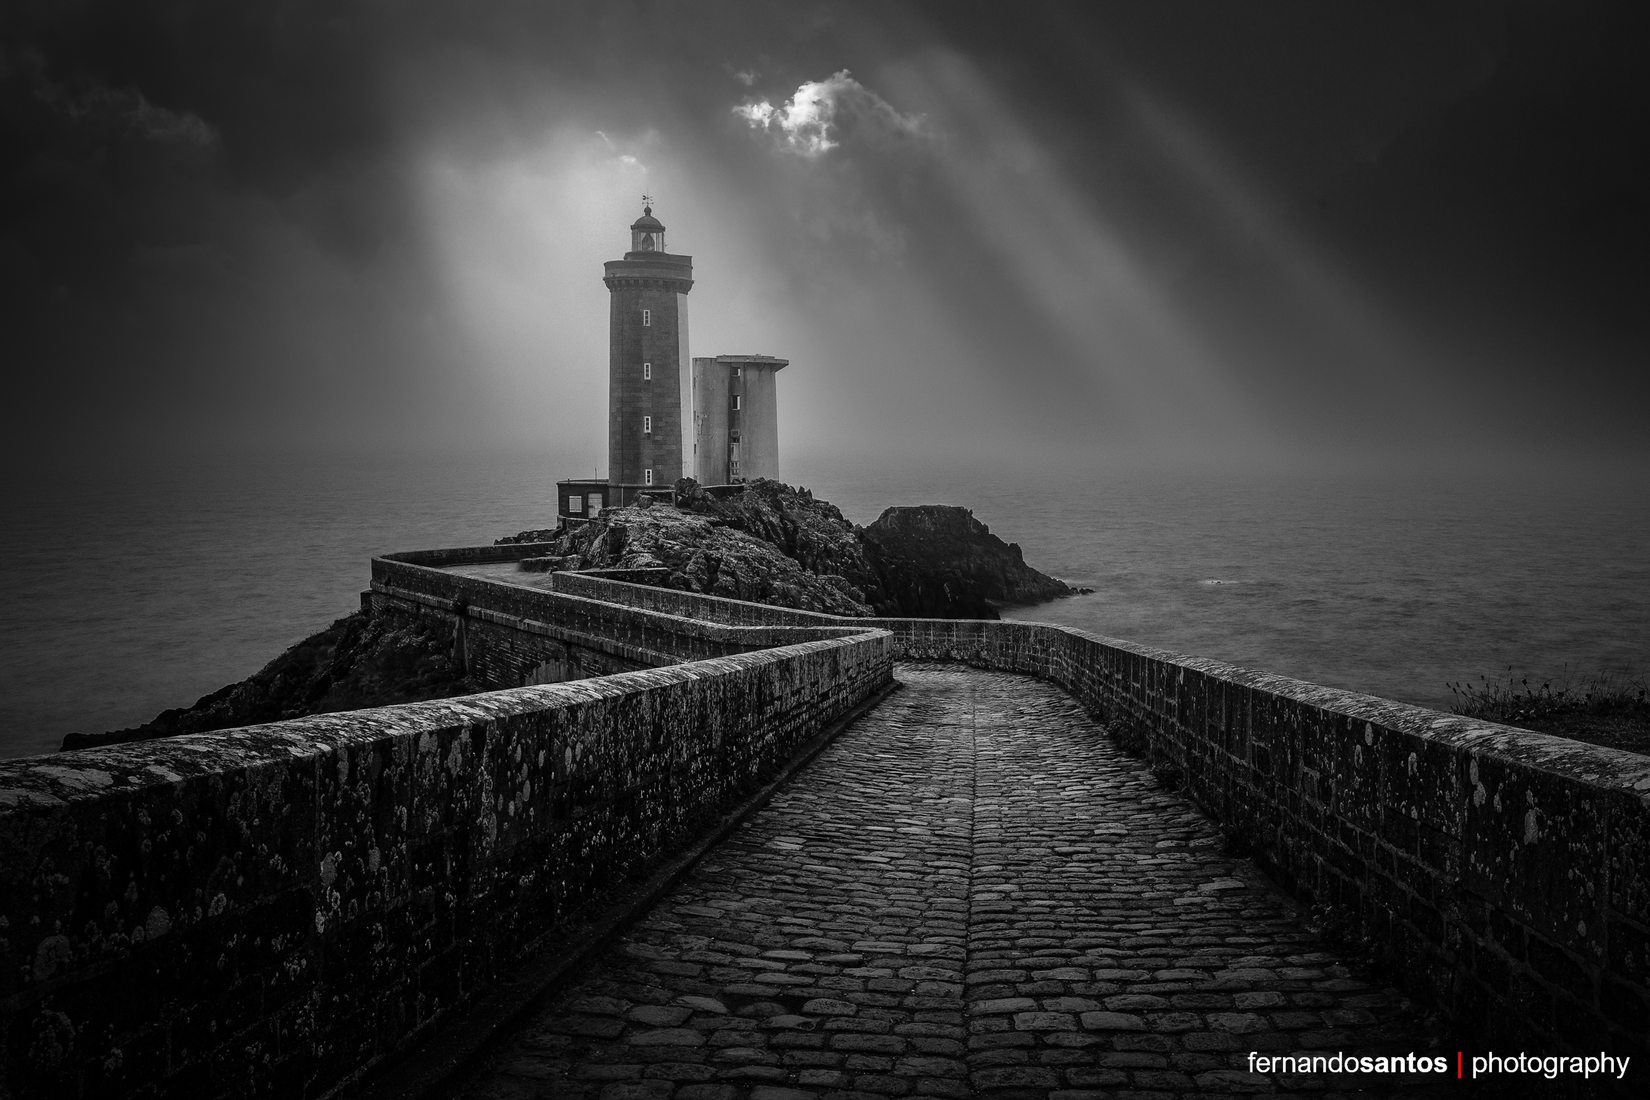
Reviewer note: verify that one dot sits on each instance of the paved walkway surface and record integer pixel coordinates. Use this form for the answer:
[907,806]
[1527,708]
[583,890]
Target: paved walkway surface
[970,893]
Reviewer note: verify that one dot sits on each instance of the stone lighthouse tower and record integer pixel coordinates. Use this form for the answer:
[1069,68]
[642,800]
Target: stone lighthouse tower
[647,362]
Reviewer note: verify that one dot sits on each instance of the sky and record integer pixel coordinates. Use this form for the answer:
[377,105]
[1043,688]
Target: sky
[1271,231]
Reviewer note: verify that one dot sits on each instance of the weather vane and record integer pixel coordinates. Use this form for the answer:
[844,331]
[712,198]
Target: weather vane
[647,200]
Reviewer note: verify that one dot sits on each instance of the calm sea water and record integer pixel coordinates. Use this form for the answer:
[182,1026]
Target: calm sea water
[140,586]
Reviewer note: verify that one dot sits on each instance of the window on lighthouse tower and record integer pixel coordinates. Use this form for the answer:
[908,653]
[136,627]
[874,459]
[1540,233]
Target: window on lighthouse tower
[647,372]
[647,318]
[647,425]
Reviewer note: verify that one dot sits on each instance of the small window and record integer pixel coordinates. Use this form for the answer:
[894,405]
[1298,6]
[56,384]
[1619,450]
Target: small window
[575,504]
[735,402]
[593,502]
[647,317]
[647,372]
[647,425]
[647,476]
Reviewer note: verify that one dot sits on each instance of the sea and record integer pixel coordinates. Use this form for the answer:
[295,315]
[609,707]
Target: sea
[142,584]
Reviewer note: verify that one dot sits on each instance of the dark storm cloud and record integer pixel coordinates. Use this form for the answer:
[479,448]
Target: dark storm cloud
[285,91]
[1143,213]
[167,160]
[1528,189]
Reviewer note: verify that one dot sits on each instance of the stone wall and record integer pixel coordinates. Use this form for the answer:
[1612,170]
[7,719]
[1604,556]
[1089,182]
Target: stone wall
[509,633]
[1504,875]
[600,584]
[271,910]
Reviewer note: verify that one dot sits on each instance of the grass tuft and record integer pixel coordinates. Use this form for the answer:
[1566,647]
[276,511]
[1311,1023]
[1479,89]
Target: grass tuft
[1603,709]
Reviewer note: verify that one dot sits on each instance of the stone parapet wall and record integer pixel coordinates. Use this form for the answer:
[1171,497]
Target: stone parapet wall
[598,584]
[273,910]
[534,624]
[1503,874]
[498,651]
[472,555]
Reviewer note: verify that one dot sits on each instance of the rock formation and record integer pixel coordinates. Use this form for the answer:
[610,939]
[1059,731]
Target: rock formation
[939,561]
[705,553]
[774,544]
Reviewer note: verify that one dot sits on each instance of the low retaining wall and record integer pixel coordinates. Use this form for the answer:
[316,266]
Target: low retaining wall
[272,910]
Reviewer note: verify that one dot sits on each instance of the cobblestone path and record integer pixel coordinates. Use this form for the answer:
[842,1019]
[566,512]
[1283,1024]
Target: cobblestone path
[970,893]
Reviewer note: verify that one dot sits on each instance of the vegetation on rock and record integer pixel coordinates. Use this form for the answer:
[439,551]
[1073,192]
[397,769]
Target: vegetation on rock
[1603,710]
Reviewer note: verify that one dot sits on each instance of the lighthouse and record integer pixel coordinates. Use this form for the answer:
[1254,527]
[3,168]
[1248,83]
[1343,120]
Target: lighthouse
[647,362]
[735,414]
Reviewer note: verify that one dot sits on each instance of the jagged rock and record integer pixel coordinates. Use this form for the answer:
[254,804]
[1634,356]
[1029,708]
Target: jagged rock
[772,543]
[938,556]
[704,555]
[810,532]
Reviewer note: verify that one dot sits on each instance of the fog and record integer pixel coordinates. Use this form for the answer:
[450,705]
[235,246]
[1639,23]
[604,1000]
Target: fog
[1267,236]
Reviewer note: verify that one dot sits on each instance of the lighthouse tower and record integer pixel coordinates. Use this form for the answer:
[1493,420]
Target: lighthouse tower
[647,362]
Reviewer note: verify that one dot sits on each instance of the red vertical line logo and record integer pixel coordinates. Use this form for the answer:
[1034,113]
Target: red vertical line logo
[1458,1065]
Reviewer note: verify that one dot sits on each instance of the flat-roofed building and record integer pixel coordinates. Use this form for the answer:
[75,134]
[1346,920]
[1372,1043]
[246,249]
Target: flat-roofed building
[735,418]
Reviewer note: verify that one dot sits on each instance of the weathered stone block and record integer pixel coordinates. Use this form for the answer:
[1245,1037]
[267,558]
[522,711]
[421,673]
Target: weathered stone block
[1534,846]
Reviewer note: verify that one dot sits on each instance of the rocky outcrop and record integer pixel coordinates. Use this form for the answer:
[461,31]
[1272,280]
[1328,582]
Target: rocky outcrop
[810,532]
[358,661]
[772,543]
[939,560]
[702,552]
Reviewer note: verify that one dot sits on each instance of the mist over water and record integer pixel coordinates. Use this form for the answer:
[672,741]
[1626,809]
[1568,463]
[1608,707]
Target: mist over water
[142,585]
[1384,580]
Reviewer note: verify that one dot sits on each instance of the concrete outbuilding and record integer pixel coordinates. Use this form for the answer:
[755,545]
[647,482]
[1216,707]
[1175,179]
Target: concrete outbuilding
[735,418]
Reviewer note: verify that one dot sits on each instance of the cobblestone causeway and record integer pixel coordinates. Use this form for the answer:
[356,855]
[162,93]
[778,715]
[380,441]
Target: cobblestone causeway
[972,892]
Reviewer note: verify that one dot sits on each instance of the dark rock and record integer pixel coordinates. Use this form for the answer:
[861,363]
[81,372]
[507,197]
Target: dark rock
[810,532]
[711,554]
[937,557]
[932,561]
[359,661]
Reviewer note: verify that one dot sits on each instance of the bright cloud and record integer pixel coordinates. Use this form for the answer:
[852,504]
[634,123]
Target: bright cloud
[825,113]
